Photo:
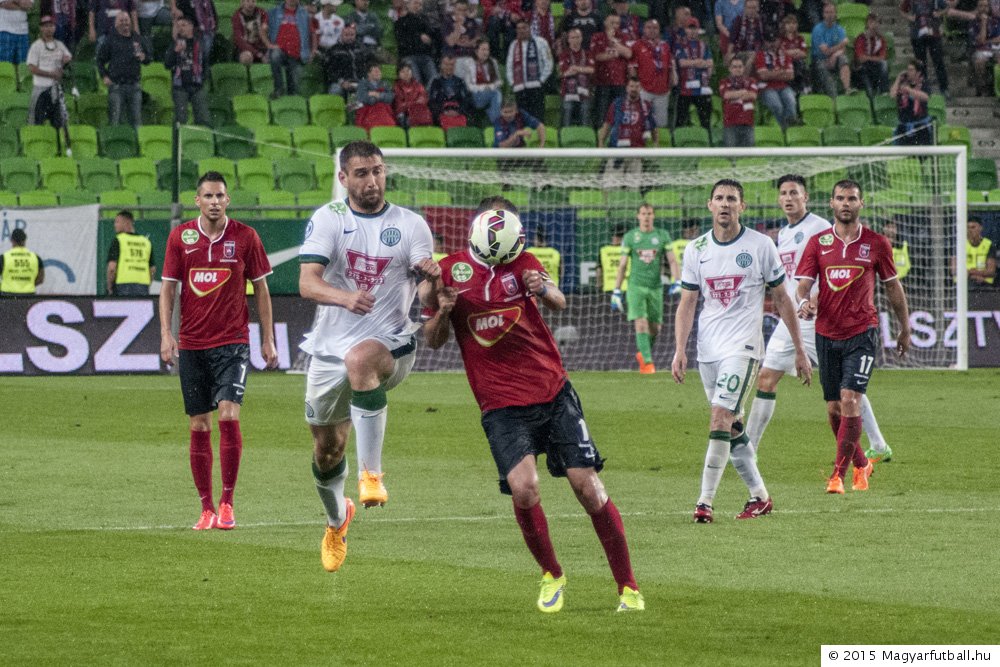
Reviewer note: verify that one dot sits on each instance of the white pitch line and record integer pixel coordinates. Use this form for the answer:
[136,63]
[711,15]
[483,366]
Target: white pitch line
[506,517]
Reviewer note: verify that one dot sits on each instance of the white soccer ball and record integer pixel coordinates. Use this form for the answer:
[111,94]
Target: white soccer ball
[496,237]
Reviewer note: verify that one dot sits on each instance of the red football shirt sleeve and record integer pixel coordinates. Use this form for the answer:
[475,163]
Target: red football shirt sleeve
[172,268]
[809,264]
[257,264]
[885,267]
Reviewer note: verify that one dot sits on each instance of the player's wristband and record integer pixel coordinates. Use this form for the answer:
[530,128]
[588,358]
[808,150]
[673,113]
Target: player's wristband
[803,301]
[545,288]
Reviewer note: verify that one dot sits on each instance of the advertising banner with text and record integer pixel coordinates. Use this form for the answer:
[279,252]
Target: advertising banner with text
[65,239]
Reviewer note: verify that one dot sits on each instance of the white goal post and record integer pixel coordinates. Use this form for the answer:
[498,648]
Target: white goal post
[577,198]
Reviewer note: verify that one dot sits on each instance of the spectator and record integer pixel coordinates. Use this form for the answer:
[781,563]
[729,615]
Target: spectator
[459,32]
[131,264]
[773,12]
[775,73]
[910,91]
[628,25]
[67,29]
[410,100]
[739,94]
[514,126]
[21,270]
[678,29]
[205,19]
[576,67]
[374,99]
[46,59]
[583,18]
[293,42]
[449,99]
[829,48]
[611,57]
[499,19]
[529,66]
[925,34]
[547,256]
[119,60]
[346,63]
[102,18]
[186,65]
[543,24]
[871,64]
[726,13]
[655,68]
[151,13]
[481,75]
[980,257]
[250,33]
[900,249]
[694,70]
[628,124]
[747,34]
[794,47]
[369,26]
[415,46]
[984,44]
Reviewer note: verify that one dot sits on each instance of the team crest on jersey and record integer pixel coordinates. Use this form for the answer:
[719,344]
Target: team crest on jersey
[701,243]
[338,207]
[841,277]
[798,237]
[509,284]
[366,271]
[725,288]
[309,229]
[655,240]
[205,281]
[461,272]
[865,251]
[490,326]
[744,259]
[391,236]
[228,249]
[826,239]
[190,236]
[647,256]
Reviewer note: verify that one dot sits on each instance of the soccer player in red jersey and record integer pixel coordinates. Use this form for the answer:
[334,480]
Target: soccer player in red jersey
[211,258]
[846,261]
[533,410]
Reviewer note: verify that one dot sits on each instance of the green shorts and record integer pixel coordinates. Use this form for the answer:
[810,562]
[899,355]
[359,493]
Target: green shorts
[645,302]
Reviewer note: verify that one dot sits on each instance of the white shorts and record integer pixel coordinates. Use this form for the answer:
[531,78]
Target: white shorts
[728,381]
[328,390]
[780,354]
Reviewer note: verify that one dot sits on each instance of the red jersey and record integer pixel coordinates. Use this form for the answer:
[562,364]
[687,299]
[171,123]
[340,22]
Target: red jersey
[737,112]
[846,274]
[794,43]
[288,35]
[774,61]
[873,47]
[212,277]
[654,64]
[612,72]
[510,356]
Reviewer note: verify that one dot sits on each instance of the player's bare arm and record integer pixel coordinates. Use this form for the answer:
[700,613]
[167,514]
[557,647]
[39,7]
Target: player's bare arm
[897,299]
[672,264]
[438,328]
[430,272]
[683,322]
[786,310]
[262,296]
[544,289]
[168,344]
[313,287]
[805,306]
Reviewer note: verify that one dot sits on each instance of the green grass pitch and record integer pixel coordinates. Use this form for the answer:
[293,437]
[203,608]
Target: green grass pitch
[100,565]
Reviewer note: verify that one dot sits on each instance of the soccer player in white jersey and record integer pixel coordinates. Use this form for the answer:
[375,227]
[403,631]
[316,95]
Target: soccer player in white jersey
[780,357]
[361,262]
[731,266]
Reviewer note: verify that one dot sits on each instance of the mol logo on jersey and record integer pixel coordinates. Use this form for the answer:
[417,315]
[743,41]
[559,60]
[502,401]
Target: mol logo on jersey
[205,281]
[490,326]
[841,277]
[366,271]
[725,288]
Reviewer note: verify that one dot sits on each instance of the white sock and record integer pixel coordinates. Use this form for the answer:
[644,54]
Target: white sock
[742,457]
[369,433]
[760,416]
[870,426]
[715,464]
[331,492]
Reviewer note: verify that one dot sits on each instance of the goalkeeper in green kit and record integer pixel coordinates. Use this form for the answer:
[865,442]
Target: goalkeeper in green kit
[646,246]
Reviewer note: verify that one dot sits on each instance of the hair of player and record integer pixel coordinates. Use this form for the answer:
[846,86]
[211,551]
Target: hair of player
[18,236]
[211,177]
[496,202]
[792,178]
[727,183]
[362,149]
[645,205]
[125,213]
[970,219]
[847,184]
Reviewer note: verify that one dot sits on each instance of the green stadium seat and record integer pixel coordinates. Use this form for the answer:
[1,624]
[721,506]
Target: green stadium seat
[588,198]
[221,165]
[464,137]
[255,173]
[639,9]
[853,110]
[578,137]
[281,198]
[24,79]
[118,141]
[994,195]
[328,110]
[948,135]
[341,136]
[691,137]
[154,198]
[426,137]
[155,141]
[311,82]
[186,198]
[982,174]
[977,196]
[98,174]
[38,198]
[295,174]
[519,198]
[816,111]
[243,204]
[230,79]
[38,141]
[251,110]
[325,170]
[311,200]
[155,80]
[138,174]
[839,135]
[220,109]
[8,199]
[59,174]
[10,144]
[715,163]
[664,199]
[273,141]
[289,111]
[77,198]
[235,142]
[261,79]
[852,26]
[624,203]
[875,134]
[196,144]
[311,141]
[552,114]
[85,76]
[8,78]
[84,140]
[804,135]
[165,170]
[20,174]
[119,199]
[886,110]
[158,111]
[852,10]
[388,137]
[432,198]
[92,109]
[937,106]
[14,109]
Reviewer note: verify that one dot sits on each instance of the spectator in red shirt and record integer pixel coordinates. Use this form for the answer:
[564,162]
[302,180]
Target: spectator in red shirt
[293,44]
[250,33]
[654,64]
[576,67]
[611,57]
[775,73]
[739,95]
[628,24]
[747,34]
[871,67]
[694,70]
[542,22]
[794,47]
[410,101]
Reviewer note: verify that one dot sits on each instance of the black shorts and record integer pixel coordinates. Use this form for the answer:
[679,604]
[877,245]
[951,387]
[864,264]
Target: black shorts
[846,364]
[556,429]
[213,375]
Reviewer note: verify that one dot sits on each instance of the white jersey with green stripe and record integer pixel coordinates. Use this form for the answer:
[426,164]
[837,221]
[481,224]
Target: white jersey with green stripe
[375,253]
[732,278]
[792,241]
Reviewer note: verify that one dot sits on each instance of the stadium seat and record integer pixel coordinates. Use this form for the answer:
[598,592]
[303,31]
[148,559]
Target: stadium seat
[994,195]
[281,198]
[294,174]
[221,165]
[289,111]
[256,173]
[432,198]
[839,135]
[84,76]
[20,174]
[8,199]
[118,141]
[816,111]
[77,198]
[805,135]
[853,110]
[235,142]
[341,136]
[586,198]
[98,174]
[155,141]
[488,136]
[59,174]
[38,198]
[251,110]
[155,80]
[977,196]
[552,114]
[400,198]
[664,199]
[573,136]
[138,174]
[92,109]
[311,141]
[767,136]
[230,79]
[119,199]
[10,144]
[886,110]
[948,135]
[388,137]
[186,198]
[165,170]
[624,203]
[426,137]
[852,10]
[518,197]
[310,200]
[220,109]
[937,107]
[720,164]
[464,137]
[38,141]
[311,81]
[261,79]
[324,174]
[243,204]
[982,174]
[852,26]
[273,141]
[84,140]
[8,78]
[327,110]
[196,144]
[149,198]
[14,109]
[691,137]
[875,134]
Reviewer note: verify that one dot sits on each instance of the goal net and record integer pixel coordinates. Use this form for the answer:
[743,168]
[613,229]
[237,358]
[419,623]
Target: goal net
[576,200]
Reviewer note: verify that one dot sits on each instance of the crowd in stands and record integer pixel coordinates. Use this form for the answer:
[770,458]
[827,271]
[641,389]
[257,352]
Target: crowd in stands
[453,62]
